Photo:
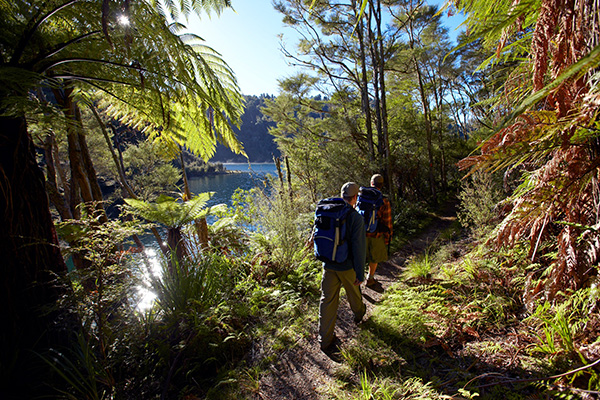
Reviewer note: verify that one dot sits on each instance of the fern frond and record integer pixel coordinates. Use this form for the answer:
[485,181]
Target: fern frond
[170,212]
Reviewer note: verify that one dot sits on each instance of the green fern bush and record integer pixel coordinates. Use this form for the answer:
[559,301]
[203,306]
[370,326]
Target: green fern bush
[411,313]
[283,224]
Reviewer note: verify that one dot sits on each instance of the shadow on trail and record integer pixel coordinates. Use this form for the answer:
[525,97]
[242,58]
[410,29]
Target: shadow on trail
[441,364]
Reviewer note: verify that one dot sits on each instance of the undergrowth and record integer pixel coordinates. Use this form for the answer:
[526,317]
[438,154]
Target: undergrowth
[455,324]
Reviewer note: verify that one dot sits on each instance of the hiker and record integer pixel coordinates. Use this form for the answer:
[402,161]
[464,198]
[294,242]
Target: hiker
[378,241]
[349,272]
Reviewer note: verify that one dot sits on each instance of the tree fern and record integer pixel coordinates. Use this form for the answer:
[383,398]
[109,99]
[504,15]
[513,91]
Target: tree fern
[172,87]
[168,211]
[551,135]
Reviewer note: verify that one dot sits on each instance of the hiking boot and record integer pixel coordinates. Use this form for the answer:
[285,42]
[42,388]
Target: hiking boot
[334,343]
[333,350]
[371,282]
[358,317]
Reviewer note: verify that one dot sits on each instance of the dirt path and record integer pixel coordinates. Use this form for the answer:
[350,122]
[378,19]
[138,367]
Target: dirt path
[302,371]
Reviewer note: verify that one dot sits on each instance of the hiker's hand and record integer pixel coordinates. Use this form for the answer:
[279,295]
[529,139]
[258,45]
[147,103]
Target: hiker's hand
[357,282]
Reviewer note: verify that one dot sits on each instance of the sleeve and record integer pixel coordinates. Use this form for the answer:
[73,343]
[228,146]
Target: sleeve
[359,246]
[387,220]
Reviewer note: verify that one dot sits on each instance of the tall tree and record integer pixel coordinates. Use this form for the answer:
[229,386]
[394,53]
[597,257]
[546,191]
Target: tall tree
[154,80]
[346,44]
[549,132]
[426,61]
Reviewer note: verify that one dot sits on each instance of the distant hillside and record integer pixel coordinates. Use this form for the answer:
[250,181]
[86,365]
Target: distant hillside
[254,135]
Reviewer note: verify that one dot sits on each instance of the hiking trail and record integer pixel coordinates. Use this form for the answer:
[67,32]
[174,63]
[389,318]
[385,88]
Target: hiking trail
[302,370]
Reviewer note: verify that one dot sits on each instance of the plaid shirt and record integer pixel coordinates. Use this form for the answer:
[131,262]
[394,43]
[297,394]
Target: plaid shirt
[384,217]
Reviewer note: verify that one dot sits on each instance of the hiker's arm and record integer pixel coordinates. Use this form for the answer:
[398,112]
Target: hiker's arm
[386,219]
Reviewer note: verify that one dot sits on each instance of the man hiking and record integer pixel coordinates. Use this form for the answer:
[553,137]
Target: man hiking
[378,240]
[348,272]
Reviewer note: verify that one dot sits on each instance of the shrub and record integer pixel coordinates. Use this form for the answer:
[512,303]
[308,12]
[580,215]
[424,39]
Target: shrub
[478,201]
[283,228]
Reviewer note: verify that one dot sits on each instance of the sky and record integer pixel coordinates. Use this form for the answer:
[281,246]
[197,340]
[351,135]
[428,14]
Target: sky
[248,41]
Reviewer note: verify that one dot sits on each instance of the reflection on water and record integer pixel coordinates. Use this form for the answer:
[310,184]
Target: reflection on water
[152,271]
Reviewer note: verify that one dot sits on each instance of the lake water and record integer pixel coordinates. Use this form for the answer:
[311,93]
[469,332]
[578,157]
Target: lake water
[224,185]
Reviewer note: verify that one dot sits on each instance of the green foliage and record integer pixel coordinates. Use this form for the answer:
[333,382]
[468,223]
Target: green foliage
[148,173]
[197,324]
[283,226]
[85,375]
[226,235]
[314,134]
[102,297]
[243,206]
[166,93]
[409,218]
[373,387]
[170,212]
[479,200]
[559,325]
[419,268]
[410,314]
[190,285]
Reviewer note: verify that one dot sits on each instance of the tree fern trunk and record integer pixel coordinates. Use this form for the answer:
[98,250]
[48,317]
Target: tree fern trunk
[31,259]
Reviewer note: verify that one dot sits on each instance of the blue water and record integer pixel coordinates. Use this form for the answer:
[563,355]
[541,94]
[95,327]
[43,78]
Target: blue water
[224,185]
[247,177]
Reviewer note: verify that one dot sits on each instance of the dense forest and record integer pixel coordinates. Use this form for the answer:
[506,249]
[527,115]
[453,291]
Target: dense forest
[107,106]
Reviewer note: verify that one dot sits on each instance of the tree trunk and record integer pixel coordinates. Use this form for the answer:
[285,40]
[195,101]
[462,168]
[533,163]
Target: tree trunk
[364,85]
[53,179]
[438,93]
[375,60]
[201,224]
[31,261]
[384,114]
[380,95]
[426,113]
[84,182]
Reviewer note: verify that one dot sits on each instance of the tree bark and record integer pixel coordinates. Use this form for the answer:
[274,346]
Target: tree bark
[426,115]
[84,181]
[428,129]
[52,183]
[364,84]
[31,260]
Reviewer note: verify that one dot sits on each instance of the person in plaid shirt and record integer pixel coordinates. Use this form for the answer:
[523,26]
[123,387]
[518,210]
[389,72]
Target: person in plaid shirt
[378,241]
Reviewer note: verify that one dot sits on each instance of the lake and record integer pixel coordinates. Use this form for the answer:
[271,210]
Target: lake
[224,185]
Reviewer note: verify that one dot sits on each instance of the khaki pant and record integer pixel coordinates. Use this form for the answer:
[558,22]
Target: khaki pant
[376,250]
[330,300]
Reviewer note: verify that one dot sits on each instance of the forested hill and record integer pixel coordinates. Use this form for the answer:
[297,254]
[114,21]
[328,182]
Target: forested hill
[253,133]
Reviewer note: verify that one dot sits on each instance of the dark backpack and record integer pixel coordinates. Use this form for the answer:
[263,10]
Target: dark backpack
[330,230]
[369,201]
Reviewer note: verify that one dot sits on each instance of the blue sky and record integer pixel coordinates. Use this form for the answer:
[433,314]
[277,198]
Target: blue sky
[247,38]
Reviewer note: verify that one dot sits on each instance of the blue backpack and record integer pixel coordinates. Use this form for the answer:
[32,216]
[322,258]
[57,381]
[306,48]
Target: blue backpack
[368,203]
[330,230]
